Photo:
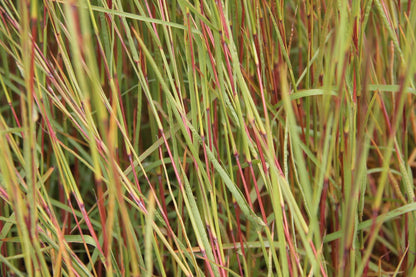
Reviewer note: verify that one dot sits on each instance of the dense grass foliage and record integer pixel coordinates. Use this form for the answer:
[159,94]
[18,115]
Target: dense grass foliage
[207,138]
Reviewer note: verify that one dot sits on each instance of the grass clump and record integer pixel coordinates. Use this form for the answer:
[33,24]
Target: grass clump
[207,138]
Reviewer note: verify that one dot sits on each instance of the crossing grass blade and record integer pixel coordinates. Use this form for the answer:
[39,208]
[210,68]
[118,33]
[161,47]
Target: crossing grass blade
[207,138]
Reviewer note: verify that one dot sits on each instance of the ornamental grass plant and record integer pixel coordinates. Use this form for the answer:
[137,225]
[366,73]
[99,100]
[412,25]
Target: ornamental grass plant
[207,138]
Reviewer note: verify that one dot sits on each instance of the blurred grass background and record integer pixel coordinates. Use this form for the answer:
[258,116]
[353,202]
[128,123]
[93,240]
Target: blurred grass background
[207,138]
